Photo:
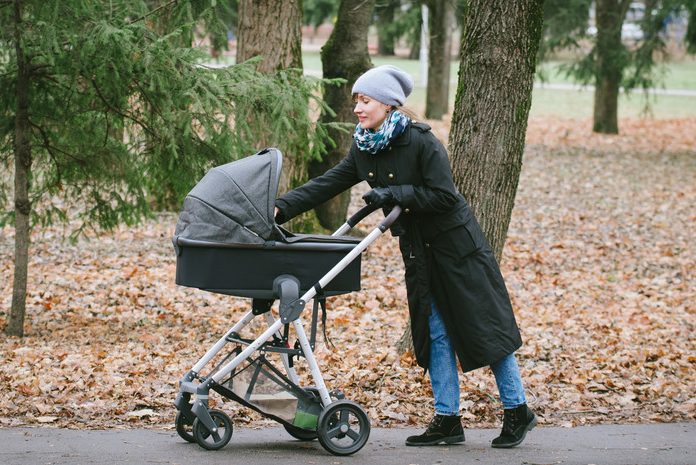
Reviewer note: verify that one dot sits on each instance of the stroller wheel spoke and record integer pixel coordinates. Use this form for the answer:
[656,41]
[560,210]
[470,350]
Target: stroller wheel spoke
[354,435]
[333,432]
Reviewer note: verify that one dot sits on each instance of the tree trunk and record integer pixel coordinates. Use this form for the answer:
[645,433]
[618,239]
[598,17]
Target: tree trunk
[610,63]
[415,40]
[385,19]
[498,57]
[272,29]
[441,19]
[344,55]
[23,160]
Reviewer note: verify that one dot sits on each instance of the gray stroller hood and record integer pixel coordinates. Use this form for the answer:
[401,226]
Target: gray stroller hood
[233,203]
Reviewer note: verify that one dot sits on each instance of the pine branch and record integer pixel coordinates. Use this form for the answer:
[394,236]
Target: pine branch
[152,104]
[166,5]
[119,112]
[51,148]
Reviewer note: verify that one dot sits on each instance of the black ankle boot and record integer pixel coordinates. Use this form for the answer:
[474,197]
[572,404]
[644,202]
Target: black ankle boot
[516,423]
[442,428]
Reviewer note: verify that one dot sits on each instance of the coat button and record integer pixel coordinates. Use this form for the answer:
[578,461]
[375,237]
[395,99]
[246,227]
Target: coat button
[391,176]
[370,174]
[427,244]
[407,211]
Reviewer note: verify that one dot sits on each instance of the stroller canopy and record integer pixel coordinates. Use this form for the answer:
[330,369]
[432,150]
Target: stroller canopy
[233,203]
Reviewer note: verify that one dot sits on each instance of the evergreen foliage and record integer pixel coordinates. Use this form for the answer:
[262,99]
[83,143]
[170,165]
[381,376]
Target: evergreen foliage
[608,58]
[124,117]
[566,25]
[315,12]
[690,7]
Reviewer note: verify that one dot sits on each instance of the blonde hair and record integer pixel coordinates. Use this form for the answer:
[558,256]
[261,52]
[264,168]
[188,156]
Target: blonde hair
[410,112]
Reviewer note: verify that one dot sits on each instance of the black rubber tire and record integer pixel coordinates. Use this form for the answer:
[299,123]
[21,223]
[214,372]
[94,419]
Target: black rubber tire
[343,428]
[184,427]
[218,439]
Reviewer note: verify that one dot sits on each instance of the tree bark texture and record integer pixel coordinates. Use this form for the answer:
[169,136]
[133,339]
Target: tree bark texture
[441,21]
[610,63]
[415,40]
[344,55]
[23,160]
[498,58]
[272,29]
[385,18]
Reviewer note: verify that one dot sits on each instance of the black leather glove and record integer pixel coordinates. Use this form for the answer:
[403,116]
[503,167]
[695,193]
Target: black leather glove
[379,197]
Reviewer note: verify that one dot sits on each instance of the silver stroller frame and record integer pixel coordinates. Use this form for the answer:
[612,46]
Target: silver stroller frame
[212,428]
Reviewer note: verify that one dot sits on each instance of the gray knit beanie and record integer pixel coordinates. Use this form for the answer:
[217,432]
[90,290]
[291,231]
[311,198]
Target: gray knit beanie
[387,84]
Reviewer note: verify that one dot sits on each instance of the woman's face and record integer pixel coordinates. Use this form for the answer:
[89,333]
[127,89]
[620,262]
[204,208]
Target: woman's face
[371,113]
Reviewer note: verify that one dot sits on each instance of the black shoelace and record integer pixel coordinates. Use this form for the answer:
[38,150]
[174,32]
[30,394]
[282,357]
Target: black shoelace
[510,421]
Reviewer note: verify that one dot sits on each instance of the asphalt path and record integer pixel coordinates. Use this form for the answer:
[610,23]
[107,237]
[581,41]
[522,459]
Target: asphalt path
[649,444]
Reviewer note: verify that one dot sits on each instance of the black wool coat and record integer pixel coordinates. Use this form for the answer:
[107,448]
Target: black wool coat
[447,259]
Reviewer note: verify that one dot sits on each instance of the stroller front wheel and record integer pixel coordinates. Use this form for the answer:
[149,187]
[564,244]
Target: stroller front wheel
[343,428]
[184,426]
[213,440]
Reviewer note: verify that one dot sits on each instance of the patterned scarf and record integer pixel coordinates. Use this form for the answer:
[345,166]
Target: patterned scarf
[374,141]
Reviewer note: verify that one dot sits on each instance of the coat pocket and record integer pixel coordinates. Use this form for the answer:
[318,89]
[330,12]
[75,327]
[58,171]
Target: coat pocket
[459,243]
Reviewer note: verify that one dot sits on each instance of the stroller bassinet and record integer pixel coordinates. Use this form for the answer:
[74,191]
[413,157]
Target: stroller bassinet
[226,241]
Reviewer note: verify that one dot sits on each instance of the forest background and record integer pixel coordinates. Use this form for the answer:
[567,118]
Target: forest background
[599,262]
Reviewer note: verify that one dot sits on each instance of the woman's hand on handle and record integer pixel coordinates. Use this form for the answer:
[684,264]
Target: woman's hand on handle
[379,197]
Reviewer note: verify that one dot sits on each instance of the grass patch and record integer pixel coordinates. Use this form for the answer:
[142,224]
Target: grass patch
[564,103]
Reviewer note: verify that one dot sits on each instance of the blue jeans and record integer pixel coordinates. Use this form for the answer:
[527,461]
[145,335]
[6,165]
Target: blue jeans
[444,373]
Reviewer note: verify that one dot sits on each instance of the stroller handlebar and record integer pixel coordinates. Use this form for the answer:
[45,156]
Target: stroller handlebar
[364,212]
[390,218]
[361,214]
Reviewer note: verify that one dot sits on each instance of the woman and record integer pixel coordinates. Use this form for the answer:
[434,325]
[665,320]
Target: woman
[458,302]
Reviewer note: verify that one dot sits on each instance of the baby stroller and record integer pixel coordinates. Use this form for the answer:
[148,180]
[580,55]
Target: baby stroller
[226,241]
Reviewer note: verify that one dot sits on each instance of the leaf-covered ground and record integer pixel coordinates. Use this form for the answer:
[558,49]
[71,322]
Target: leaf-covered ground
[599,261]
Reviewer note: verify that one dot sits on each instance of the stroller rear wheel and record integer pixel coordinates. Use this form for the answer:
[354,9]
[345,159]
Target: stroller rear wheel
[343,428]
[184,426]
[213,440]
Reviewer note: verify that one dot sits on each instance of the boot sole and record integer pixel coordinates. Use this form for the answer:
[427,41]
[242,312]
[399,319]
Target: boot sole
[529,427]
[435,442]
